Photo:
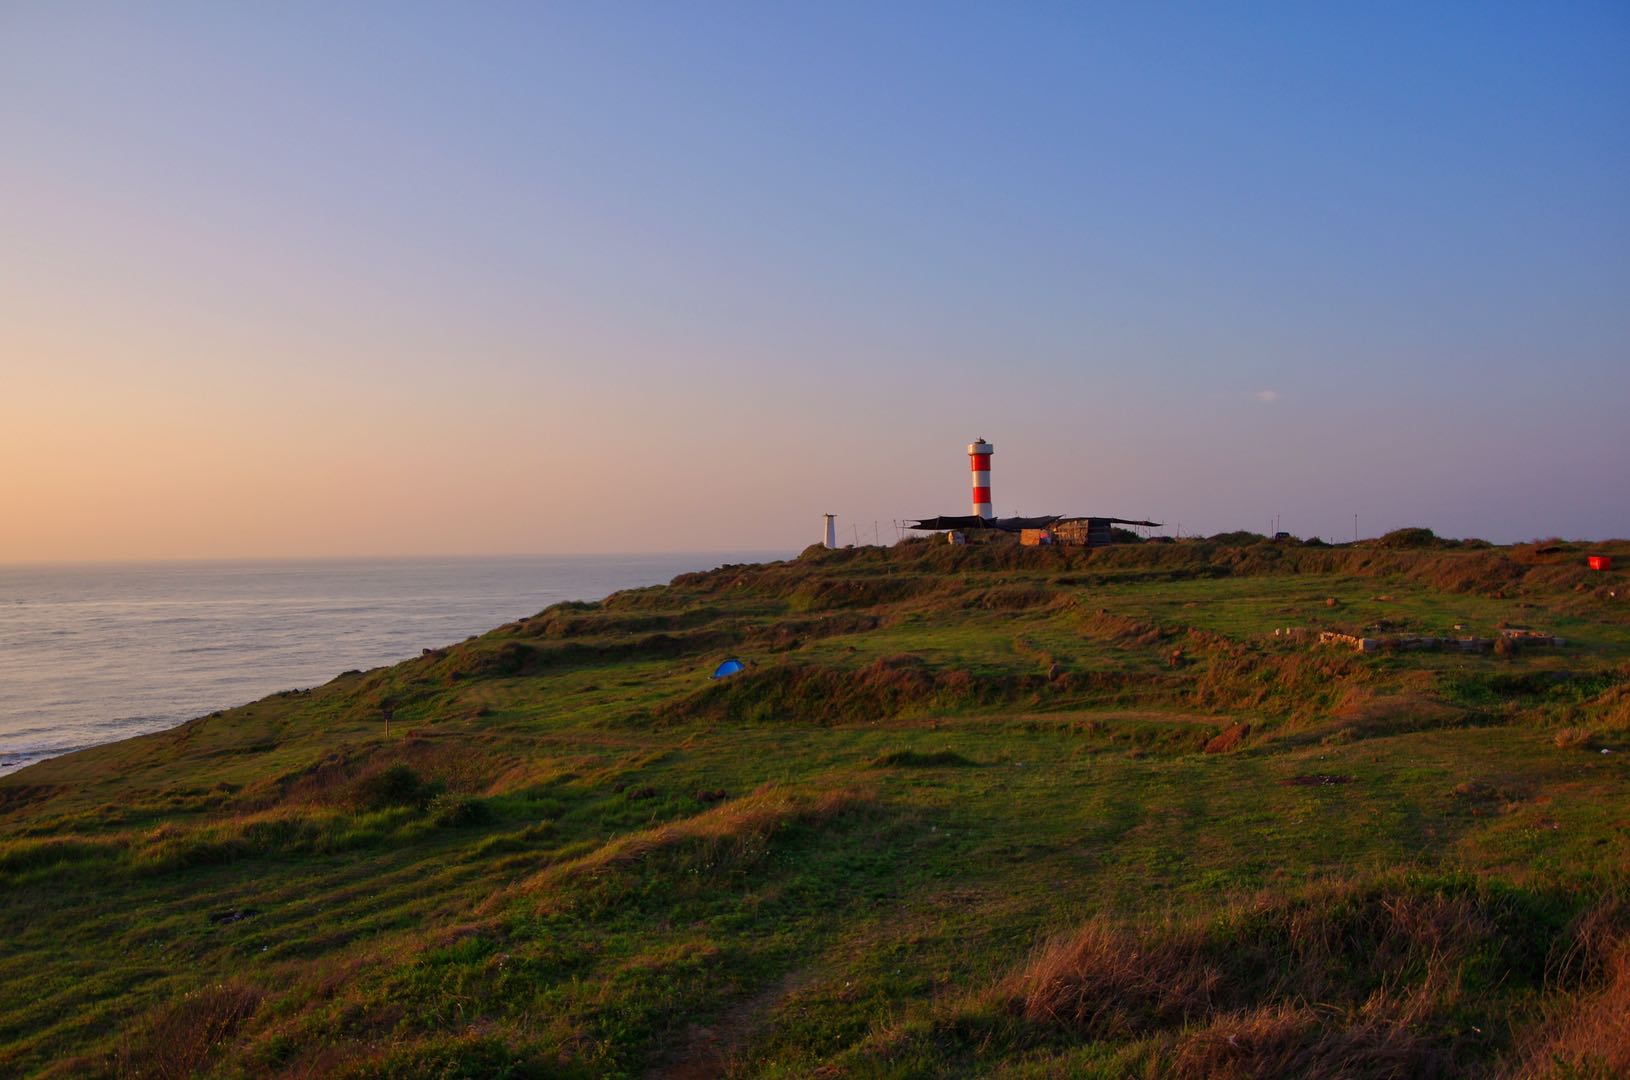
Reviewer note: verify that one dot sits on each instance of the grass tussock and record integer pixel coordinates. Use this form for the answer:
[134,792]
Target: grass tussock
[1587,1034]
[1610,709]
[1103,982]
[489,658]
[28,856]
[1122,629]
[731,835]
[1364,714]
[1574,738]
[408,771]
[178,1040]
[170,848]
[1301,685]
[1392,977]
[1375,1040]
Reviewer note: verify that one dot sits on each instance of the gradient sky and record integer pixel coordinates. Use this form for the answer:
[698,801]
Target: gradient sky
[364,279]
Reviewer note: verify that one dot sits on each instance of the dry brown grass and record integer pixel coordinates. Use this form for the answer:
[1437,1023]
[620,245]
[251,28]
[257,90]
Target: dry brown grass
[1228,739]
[1238,677]
[1107,626]
[1106,983]
[178,1040]
[1574,738]
[1353,980]
[1369,714]
[1284,1039]
[1610,710]
[1587,1033]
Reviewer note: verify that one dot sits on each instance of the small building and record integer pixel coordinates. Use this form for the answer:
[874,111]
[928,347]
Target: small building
[1086,532]
[1033,532]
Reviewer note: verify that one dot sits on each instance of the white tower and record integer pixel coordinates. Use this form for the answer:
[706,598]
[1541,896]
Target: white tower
[979,453]
[831,530]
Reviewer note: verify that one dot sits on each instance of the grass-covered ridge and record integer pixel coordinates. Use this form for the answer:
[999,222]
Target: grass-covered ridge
[969,811]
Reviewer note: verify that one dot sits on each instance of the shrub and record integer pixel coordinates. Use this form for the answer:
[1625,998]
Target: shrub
[1238,538]
[1414,537]
[395,785]
[460,811]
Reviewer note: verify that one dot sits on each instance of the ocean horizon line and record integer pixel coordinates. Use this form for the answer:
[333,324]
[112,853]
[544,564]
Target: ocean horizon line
[245,560]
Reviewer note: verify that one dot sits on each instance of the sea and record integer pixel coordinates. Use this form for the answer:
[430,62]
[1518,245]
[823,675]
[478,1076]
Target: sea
[94,653]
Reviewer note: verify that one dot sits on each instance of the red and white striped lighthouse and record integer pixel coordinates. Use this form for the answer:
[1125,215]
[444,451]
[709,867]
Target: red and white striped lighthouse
[979,453]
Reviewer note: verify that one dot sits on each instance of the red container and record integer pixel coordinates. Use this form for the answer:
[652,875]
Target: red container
[1600,562]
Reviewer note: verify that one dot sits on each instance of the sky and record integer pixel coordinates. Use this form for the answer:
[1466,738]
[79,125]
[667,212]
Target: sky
[311,279]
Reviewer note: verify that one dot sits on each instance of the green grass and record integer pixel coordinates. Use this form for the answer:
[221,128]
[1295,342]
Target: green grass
[560,849]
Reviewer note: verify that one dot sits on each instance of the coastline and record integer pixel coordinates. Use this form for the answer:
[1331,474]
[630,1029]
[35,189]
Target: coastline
[99,652]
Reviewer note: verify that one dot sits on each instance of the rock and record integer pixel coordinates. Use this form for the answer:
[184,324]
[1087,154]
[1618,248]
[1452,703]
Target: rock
[1228,739]
[224,918]
[716,795]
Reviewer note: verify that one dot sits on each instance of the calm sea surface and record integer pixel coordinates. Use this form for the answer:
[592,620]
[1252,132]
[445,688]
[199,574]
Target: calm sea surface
[89,654]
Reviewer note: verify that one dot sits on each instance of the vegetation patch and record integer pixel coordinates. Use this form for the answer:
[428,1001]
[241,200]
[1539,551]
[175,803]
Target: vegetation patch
[394,785]
[909,759]
[180,1039]
[560,849]
[732,835]
[825,694]
[1386,977]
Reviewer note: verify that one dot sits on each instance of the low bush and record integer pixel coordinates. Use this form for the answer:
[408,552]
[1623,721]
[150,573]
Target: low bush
[1404,539]
[460,811]
[394,785]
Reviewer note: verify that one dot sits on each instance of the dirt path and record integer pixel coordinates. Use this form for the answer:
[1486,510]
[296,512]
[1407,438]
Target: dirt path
[708,1051]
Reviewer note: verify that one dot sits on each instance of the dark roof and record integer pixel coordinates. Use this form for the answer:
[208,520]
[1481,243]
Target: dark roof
[1013,524]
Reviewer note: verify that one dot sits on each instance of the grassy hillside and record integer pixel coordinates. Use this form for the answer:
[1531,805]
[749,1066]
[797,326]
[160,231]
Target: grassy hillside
[970,811]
